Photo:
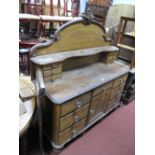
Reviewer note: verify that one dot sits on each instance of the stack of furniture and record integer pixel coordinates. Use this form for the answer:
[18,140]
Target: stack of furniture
[32,7]
[126,42]
[78,80]
[99,8]
[129,89]
[120,40]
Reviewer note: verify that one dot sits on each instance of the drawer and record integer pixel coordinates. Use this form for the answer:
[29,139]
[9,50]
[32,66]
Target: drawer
[111,59]
[111,54]
[81,113]
[66,122]
[107,95]
[75,104]
[47,79]
[55,76]
[71,132]
[117,91]
[120,80]
[109,106]
[65,136]
[112,103]
[47,67]
[97,99]
[57,70]
[78,127]
[57,65]
[96,108]
[74,117]
[102,89]
[47,73]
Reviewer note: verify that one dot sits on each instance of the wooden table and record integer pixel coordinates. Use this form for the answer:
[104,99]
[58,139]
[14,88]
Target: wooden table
[24,60]
[26,112]
[29,43]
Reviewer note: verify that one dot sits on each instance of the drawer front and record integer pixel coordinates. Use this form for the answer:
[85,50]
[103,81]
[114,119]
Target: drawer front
[112,103]
[71,132]
[47,79]
[120,80]
[57,65]
[56,70]
[47,67]
[55,76]
[117,91]
[74,117]
[81,113]
[65,136]
[96,108]
[102,89]
[78,127]
[52,72]
[111,59]
[107,95]
[47,73]
[66,122]
[75,104]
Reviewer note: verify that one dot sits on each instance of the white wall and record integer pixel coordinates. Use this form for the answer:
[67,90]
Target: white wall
[124,2]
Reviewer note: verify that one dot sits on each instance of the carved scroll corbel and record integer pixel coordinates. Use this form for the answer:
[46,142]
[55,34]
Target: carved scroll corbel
[87,17]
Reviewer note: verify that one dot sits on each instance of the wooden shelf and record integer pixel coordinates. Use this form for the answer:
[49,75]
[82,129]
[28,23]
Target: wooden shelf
[126,47]
[76,82]
[25,16]
[61,56]
[131,34]
[57,18]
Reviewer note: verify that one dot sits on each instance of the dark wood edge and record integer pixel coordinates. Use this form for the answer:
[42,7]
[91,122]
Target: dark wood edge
[40,94]
[40,82]
[128,18]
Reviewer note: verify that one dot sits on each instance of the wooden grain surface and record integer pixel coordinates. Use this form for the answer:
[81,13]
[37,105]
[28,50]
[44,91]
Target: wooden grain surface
[26,87]
[82,80]
[61,56]
[26,117]
[72,36]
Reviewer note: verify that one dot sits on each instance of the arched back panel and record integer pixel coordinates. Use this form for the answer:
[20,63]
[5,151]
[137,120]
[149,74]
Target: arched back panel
[72,36]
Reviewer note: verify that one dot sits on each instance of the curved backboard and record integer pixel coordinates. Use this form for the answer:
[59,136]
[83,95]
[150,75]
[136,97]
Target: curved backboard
[76,34]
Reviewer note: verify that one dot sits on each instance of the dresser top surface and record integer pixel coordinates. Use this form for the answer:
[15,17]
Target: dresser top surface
[57,57]
[76,82]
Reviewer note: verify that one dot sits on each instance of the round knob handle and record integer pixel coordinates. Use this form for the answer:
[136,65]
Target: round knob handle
[76,118]
[92,111]
[74,132]
[78,104]
[121,80]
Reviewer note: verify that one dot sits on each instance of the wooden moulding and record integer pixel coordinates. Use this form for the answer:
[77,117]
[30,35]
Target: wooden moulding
[59,57]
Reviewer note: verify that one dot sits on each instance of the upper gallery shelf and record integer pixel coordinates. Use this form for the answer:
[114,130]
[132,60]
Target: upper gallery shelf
[57,57]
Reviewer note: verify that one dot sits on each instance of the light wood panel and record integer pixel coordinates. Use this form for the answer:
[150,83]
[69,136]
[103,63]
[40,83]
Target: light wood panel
[76,36]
